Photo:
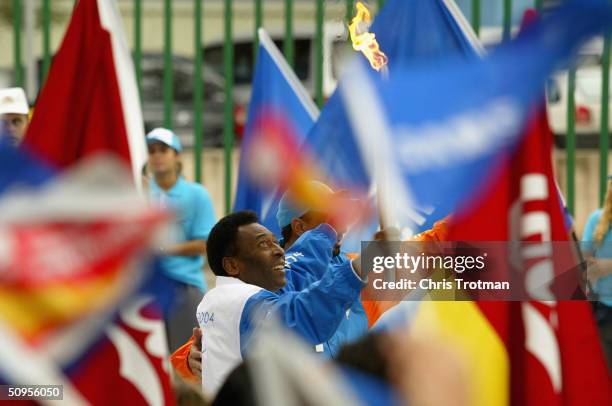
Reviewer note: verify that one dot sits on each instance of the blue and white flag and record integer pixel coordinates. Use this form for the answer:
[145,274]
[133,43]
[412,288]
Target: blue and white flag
[431,133]
[410,33]
[275,88]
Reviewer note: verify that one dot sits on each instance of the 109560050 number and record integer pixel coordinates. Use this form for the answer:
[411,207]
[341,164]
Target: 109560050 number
[31,392]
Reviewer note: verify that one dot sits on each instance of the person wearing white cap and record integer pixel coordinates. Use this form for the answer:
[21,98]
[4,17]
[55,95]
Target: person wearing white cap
[183,261]
[14,111]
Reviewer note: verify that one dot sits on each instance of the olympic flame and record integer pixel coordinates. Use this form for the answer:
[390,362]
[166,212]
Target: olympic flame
[365,41]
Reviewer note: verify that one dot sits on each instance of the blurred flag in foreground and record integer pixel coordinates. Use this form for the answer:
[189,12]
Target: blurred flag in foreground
[525,352]
[73,251]
[276,90]
[410,33]
[431,133]
[548,352]
[522,352]
[84,263]
[90,100]
[283,371]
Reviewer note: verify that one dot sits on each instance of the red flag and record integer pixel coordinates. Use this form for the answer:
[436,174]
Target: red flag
[74,253]
[90,104]
[90,100]
[553,347]
[130,359]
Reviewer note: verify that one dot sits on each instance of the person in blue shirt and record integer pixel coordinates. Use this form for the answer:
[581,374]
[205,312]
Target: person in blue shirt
[295,219]
[597,247]
[183,260]
[249,265]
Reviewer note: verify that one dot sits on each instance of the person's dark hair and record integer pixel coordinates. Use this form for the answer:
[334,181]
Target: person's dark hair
[286,234]
[238,389]
[221,241]
[367,355]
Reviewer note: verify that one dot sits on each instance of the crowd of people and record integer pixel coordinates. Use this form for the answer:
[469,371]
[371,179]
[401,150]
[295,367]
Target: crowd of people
[303,279]
[308,283]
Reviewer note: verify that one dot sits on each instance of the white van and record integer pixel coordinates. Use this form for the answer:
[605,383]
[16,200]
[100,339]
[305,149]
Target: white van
[587,94]
[587,98]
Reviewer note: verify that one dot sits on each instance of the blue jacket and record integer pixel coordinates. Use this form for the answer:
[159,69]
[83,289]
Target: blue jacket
[305,264]
[316,311]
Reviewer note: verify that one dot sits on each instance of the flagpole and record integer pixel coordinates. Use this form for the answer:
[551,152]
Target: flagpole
[380,189]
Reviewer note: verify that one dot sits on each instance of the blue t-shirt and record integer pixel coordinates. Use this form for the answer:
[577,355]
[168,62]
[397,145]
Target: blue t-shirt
[603,286]
[195,218]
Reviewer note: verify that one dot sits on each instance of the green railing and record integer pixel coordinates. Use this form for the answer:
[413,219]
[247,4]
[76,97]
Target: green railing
[571,140]
[604,139]
[288,47]
[228,128]
[288,41]
[46,21]
[17,42]
[168,79]
[198,88]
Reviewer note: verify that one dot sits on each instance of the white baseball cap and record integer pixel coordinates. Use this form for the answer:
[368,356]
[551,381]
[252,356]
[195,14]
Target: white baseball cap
[13,100]
[164,136]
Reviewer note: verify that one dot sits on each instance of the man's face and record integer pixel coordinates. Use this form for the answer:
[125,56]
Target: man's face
[162,158]
[14,126]
[261,258]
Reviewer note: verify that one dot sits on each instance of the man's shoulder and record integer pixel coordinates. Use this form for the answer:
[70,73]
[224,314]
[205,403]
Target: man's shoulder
[194,193]
[312,239]
[193,187]
[227,293]
[595,215]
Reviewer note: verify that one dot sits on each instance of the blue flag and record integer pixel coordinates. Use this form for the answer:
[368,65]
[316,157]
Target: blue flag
[432,132]
[20,169]
[277,88]
[410,33]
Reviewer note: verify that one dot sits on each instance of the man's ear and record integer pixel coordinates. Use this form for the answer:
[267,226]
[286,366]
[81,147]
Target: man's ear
[230,266]
[297,225]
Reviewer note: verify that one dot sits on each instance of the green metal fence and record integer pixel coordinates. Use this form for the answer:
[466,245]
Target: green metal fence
[288,49]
